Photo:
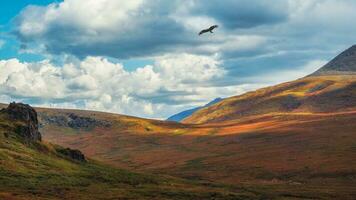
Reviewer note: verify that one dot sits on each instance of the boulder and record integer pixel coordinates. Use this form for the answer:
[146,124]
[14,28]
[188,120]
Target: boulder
[73,154]
[27,115]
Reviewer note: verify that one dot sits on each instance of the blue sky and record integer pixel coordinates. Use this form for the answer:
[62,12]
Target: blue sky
[144,57]
[8,10]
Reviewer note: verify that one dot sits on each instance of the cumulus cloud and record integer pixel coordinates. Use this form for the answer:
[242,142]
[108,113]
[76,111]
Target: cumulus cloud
[258,43]
[112,28]
[141,28]
[173,83]
[96,83]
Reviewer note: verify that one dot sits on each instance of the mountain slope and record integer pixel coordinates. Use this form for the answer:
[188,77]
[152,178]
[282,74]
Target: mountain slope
[186,113]
[332,88]
[273,156]
[31,169]
[277,155]
[345,63]
[314,94]
[291,141]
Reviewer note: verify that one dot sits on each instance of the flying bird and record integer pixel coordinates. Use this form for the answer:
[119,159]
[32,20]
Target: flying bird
[209,29]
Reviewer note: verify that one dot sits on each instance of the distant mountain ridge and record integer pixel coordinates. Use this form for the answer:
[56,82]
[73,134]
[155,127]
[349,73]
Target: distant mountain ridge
[186,113]
[344,63]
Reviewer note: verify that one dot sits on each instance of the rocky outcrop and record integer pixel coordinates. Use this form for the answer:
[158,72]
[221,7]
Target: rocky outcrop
[72,120]
[25,125]
[24,113]
[72,154]
[86,122]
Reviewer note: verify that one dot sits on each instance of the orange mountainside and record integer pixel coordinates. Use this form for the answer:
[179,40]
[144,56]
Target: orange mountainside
[307,152]
[330,89]
[315,94]
[296,140]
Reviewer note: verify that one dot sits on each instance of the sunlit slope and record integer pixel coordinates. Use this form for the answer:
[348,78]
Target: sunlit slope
[37,170]
[315,94]
[301,154]
[304,152]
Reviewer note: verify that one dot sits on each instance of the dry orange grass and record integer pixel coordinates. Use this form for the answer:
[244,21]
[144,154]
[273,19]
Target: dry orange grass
[310,94]
[304,150]
[250,140]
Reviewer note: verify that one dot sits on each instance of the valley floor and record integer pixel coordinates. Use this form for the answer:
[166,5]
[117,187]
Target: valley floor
[299,155]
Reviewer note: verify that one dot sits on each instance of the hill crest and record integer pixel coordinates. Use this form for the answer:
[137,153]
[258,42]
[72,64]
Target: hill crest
[344,63]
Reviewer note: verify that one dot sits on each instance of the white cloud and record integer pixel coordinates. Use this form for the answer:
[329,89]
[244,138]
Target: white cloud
[146,29]
[91,15]
[99,27]
[258,42]
[227,44]
[188,68]
[96,83]
[141,28]
[291,73]
[323,15]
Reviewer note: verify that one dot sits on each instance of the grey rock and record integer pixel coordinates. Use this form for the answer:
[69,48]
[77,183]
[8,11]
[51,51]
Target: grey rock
[72,120]
[72,154]
[28,115]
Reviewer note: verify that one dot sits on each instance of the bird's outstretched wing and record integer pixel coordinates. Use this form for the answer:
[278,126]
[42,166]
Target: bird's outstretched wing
[203,31]
[213,27]
[209,29]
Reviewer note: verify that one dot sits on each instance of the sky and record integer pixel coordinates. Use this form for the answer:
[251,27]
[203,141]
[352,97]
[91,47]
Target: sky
[145,57]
